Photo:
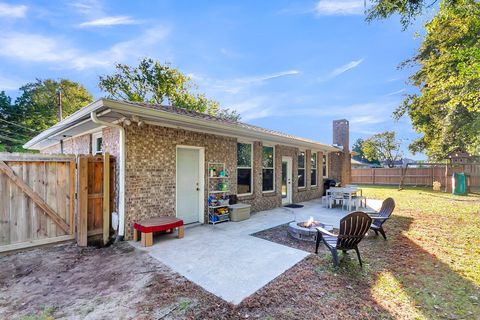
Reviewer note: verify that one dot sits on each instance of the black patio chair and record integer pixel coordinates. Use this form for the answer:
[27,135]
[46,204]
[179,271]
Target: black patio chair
[381,216]
[353,228]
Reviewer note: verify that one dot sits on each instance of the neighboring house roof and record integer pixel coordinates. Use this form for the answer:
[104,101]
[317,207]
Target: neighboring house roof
[113,110]
[400,162]
[359,163]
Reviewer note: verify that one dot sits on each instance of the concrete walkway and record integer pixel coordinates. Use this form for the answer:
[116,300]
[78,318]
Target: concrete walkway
[227,261]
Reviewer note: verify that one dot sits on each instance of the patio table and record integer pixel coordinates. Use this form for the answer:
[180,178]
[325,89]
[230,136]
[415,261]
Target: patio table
[343,191]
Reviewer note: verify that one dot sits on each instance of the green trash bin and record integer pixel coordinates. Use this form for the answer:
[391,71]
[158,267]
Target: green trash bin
[459,183]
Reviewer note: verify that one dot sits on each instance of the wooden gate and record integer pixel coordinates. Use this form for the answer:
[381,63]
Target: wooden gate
[52,198]
[37,200]
[95,174]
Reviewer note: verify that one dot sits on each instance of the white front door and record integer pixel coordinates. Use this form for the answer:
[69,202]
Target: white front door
[189,184]
[286,180]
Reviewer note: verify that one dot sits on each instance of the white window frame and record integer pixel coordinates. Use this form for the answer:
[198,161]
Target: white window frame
[326,165]
[273,148]
[304,169]
[251,168]
[95,137]
[316,168]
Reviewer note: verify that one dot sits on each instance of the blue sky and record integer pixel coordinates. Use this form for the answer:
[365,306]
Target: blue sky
[286,65]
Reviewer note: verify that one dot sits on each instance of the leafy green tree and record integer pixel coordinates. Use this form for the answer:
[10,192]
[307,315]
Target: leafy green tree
[37,106]
[36,109]
[384,147]
[12,135]
[5,105]
[154,82]
[408,10]
[446,111]
[360,156]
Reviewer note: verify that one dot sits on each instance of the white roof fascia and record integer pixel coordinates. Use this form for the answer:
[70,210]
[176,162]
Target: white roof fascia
[64,123]
[212,127]
[177,120]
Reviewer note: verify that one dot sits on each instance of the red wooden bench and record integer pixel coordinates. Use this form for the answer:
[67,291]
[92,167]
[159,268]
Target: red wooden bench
[148,226]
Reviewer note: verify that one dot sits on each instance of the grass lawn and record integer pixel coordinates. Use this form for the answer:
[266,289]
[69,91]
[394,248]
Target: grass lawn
[432,261]
[428,269]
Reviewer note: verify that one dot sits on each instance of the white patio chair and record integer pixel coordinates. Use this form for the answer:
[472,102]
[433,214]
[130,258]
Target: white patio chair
[356,201]
[335,198]
[325,201]
[347,201]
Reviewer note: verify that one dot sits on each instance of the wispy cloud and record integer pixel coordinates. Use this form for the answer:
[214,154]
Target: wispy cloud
[36,48]
[367,120]
[395,92]
[89,8]
[109,21]
[123,51]
[358,114]
[33,48]
[12,11]
[249,95]
[326,8]
[344,68]
[96,16]
[240,84]
[340,7]
[267,77]
[253,107]
[393,79]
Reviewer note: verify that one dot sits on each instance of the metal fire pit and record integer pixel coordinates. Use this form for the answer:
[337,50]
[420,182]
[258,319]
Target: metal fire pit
[298,231]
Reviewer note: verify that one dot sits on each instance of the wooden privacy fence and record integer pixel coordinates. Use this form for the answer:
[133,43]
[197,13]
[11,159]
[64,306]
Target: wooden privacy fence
[38,199]
[423,176]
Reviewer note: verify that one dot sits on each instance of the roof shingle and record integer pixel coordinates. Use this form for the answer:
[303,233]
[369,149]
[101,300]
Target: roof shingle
[204,116]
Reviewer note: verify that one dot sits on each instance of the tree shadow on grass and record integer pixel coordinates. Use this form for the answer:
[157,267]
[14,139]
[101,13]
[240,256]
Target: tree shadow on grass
[409,280]
[437,194]
[401,278]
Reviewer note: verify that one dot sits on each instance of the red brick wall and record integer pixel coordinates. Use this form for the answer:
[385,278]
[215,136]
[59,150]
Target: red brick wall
[151,168]
[268,200]
[83,144]
[78,145]
[55,149]
[151,171]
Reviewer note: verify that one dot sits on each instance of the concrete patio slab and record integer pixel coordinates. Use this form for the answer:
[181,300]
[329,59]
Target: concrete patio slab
[227,261]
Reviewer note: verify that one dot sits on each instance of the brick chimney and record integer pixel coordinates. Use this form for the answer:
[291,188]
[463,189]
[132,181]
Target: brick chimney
[341,133]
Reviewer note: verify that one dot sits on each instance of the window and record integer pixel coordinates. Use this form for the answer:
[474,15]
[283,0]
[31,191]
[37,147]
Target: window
[244,168]
[325,166]
[268,169]
[97,141]
[313,170]
[301,170]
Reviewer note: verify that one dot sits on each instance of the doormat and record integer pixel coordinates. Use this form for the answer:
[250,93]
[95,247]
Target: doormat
[294,205]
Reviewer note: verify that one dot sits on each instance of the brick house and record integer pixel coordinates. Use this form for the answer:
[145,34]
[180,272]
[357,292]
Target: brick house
[163,154]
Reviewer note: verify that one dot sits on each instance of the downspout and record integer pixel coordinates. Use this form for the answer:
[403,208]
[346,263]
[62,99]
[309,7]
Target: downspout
[121,175]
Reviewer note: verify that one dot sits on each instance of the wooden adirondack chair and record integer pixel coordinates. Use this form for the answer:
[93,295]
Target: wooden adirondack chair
[381,216]
[353,228]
